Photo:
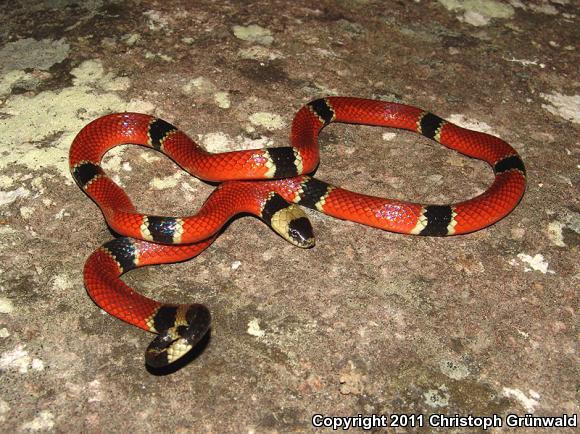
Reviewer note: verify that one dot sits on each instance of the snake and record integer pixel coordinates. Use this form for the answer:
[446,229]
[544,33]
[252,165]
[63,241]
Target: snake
[270,184]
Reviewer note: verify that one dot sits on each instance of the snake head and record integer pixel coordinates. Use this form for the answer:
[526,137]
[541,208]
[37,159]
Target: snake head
[299,230]
[288,220]
[190,324]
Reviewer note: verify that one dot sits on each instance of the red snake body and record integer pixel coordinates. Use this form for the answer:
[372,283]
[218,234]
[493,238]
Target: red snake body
[274,199]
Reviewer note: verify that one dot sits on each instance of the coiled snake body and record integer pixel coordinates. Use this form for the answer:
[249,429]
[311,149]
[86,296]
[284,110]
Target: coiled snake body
[153,239]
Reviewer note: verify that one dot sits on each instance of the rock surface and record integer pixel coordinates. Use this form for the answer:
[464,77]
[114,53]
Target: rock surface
[366,322]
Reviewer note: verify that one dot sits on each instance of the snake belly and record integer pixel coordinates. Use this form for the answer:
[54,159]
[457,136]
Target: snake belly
[269,184]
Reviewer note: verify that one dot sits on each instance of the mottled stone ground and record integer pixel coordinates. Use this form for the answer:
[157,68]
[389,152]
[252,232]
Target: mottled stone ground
[366,322]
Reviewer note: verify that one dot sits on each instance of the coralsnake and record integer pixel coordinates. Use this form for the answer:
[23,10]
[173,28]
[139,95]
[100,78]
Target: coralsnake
[269,184]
